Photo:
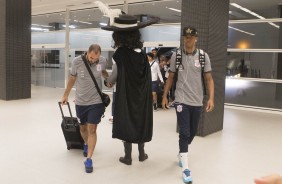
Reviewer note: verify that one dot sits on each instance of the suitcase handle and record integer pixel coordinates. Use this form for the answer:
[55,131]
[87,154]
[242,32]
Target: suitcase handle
[63,116]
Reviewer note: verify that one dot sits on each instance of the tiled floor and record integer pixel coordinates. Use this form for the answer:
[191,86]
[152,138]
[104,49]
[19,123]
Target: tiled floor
[33,150]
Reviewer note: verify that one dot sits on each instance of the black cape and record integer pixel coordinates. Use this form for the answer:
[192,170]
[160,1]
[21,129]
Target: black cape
[133,113]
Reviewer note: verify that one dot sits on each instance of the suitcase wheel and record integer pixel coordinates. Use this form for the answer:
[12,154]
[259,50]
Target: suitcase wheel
[68,148]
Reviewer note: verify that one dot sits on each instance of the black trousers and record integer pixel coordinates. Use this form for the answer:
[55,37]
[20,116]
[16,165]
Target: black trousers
[188,119]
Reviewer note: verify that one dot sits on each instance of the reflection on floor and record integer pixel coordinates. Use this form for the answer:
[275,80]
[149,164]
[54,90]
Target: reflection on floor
[33,149]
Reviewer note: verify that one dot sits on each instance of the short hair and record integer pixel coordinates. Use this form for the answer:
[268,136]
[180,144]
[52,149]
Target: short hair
[150,54]
[94,48]
[154,50]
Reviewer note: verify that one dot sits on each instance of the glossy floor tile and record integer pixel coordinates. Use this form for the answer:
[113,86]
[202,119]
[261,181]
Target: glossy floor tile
[33,149]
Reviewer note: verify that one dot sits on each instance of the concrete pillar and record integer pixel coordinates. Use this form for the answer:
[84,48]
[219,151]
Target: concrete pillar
[210,18]
[15,49]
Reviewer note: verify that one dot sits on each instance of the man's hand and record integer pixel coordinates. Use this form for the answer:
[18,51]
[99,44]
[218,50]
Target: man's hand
[270,179]
[210,106]
[64,100]
[165,103]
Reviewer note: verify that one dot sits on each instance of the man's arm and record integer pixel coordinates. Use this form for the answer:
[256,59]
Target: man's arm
[210,86]
[168,85]
[70,84]
[110,81]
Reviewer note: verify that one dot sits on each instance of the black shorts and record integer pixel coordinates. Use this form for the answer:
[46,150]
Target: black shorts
[89,113]
[155,86]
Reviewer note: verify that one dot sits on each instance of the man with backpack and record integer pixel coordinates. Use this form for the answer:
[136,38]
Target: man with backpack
[192,68]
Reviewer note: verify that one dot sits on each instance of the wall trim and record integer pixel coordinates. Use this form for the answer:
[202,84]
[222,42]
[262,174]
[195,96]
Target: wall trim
[253,108]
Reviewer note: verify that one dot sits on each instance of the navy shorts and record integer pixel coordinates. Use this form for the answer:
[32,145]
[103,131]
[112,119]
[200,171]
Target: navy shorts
[155,86]
[89,113]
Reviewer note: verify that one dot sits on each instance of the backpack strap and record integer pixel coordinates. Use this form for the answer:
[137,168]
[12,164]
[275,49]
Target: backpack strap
[178,60]
[152,63]
[178,63]
[202,63]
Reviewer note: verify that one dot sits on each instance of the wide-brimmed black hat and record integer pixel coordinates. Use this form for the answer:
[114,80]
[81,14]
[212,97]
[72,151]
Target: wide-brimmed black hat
[127,22]
[119,21]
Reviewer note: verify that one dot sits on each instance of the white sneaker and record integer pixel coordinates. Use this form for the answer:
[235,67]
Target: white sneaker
[186,176]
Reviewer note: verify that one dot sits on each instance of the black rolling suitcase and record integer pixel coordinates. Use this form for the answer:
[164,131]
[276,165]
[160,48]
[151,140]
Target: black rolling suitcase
[71,130]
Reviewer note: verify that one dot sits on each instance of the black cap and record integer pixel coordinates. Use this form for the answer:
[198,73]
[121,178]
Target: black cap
[189,30]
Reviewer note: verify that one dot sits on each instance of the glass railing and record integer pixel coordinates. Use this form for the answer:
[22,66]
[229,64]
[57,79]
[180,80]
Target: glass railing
[255,93]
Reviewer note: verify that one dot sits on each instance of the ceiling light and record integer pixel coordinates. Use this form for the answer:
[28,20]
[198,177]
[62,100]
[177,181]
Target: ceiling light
[85,22]
[241,31]
[40,25]
[70,26]
[103,24]
[252,13]
[82,22]
[173,9]
[38,29]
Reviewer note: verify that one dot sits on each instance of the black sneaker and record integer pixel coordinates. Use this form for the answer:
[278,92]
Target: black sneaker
[155,107]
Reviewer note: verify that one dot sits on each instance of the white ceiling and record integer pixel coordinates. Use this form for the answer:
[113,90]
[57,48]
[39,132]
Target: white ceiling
[90,13]
[48,6]
[52,11]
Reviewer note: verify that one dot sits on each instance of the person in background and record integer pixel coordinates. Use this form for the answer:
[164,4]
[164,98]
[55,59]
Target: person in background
[156,74]
[88,103]
[155,53]
[163,63]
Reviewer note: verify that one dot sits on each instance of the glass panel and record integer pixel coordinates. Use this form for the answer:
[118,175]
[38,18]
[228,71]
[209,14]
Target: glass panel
[83,39]
[267,9]
[48,68]
[48,22]
[161,33]
[252,93]
[38,61]
[55,37]
[253,36]
[252,64]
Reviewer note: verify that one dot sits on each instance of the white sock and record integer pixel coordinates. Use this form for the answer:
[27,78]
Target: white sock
[184,160]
